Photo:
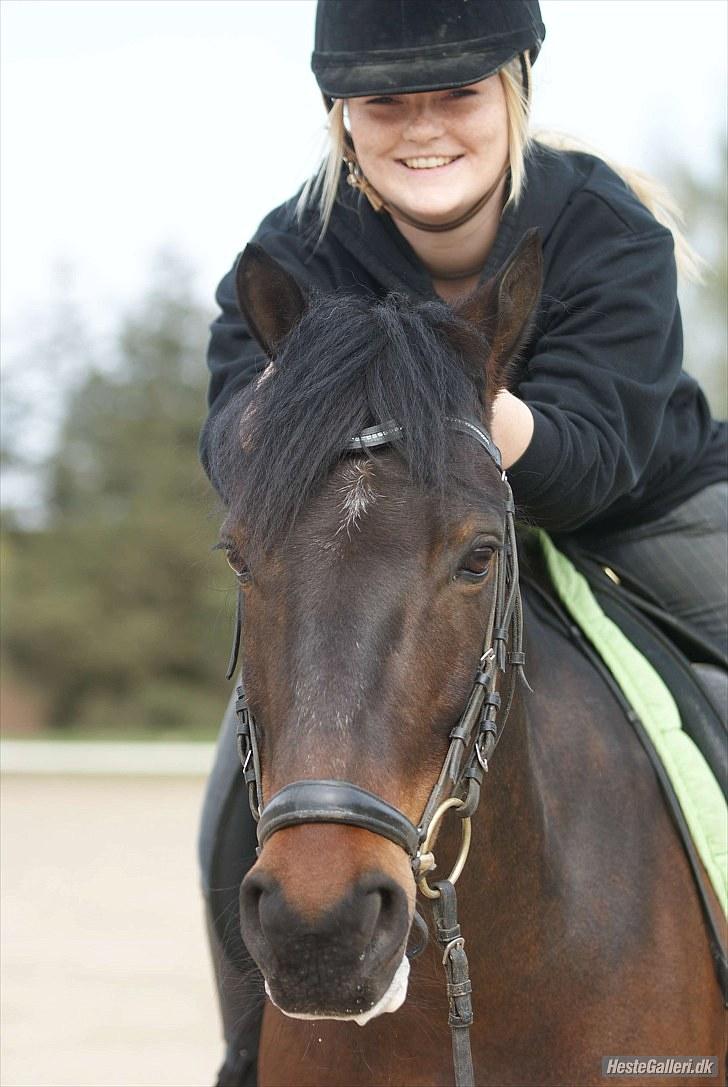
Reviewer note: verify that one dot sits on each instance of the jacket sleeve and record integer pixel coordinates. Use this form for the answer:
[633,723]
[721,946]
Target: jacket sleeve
[234,358]
[606,360]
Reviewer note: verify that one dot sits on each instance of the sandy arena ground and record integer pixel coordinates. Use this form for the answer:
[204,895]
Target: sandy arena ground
[104,964]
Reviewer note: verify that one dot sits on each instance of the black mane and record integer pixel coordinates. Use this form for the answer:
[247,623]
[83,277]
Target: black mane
[349,364]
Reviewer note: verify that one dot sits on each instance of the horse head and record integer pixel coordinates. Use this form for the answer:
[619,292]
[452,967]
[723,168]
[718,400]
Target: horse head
[367,578]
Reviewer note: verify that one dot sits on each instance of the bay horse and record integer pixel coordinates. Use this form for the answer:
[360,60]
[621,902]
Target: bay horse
[368,579]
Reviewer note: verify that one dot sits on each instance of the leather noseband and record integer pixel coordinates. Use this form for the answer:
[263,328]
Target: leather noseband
[337,802]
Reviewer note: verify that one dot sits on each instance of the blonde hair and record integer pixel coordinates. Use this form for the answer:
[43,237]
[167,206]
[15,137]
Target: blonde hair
[322,187]
[519,137]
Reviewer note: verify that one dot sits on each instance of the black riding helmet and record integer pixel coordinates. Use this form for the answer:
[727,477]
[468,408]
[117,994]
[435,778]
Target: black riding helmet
[364,47]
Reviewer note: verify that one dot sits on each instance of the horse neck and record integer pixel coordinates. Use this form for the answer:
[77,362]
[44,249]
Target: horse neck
[510,874]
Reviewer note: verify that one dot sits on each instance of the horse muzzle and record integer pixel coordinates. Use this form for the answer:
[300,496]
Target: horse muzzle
[342,959]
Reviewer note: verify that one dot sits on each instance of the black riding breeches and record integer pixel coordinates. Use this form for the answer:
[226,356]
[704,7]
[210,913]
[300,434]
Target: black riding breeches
[681,559]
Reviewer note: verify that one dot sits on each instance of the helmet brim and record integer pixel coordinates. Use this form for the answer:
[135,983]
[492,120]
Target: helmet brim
[348,76]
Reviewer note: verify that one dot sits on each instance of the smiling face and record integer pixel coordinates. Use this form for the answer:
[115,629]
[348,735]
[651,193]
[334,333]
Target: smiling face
[433,154]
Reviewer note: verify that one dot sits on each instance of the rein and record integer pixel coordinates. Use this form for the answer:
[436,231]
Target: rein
[472,743]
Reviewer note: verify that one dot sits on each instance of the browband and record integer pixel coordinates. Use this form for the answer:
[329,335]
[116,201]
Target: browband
[384,433]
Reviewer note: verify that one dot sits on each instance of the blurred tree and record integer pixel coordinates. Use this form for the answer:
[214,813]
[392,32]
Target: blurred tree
[46,353]
[116,606]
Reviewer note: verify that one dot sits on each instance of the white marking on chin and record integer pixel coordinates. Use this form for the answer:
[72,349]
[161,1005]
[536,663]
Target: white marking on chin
[393,998]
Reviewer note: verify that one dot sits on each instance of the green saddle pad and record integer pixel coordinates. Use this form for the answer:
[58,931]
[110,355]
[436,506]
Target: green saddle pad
[697,791]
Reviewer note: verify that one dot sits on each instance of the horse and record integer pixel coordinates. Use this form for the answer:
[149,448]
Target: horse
[369,576]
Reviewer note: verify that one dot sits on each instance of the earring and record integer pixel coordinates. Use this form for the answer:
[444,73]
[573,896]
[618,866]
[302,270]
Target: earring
[356,179]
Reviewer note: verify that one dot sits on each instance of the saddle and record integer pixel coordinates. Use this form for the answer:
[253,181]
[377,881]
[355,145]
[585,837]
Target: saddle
[694,672]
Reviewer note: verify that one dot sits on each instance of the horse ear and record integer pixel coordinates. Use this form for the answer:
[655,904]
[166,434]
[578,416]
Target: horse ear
[269,298]
[504,308]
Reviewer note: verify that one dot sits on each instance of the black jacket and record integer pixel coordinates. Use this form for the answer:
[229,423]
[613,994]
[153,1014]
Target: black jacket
[622,434]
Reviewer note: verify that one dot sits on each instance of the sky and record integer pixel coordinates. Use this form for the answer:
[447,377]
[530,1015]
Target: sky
[133,126]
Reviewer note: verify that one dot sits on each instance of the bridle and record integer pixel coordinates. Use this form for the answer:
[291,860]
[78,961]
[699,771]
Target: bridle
[473,740]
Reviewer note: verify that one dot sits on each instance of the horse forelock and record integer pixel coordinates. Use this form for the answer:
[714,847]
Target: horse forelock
[349,364]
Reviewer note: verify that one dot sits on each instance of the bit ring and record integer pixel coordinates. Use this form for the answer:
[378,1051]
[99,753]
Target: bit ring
[453,802]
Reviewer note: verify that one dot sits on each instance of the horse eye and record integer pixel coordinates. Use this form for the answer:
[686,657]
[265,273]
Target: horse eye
[236,564]
[477,562]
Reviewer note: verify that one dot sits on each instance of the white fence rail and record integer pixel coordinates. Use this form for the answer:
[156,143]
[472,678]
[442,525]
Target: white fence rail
[153,759]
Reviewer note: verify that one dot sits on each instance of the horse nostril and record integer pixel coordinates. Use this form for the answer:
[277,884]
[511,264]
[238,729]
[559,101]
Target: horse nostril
[387,904]
[393,915]
[254,886]
[391,895]
[253,890]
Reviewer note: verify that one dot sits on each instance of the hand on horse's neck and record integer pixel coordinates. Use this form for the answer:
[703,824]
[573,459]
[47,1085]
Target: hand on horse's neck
[456,257]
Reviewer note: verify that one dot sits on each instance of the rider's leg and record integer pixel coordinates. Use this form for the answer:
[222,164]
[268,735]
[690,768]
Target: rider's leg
[682,561]
[227,850]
